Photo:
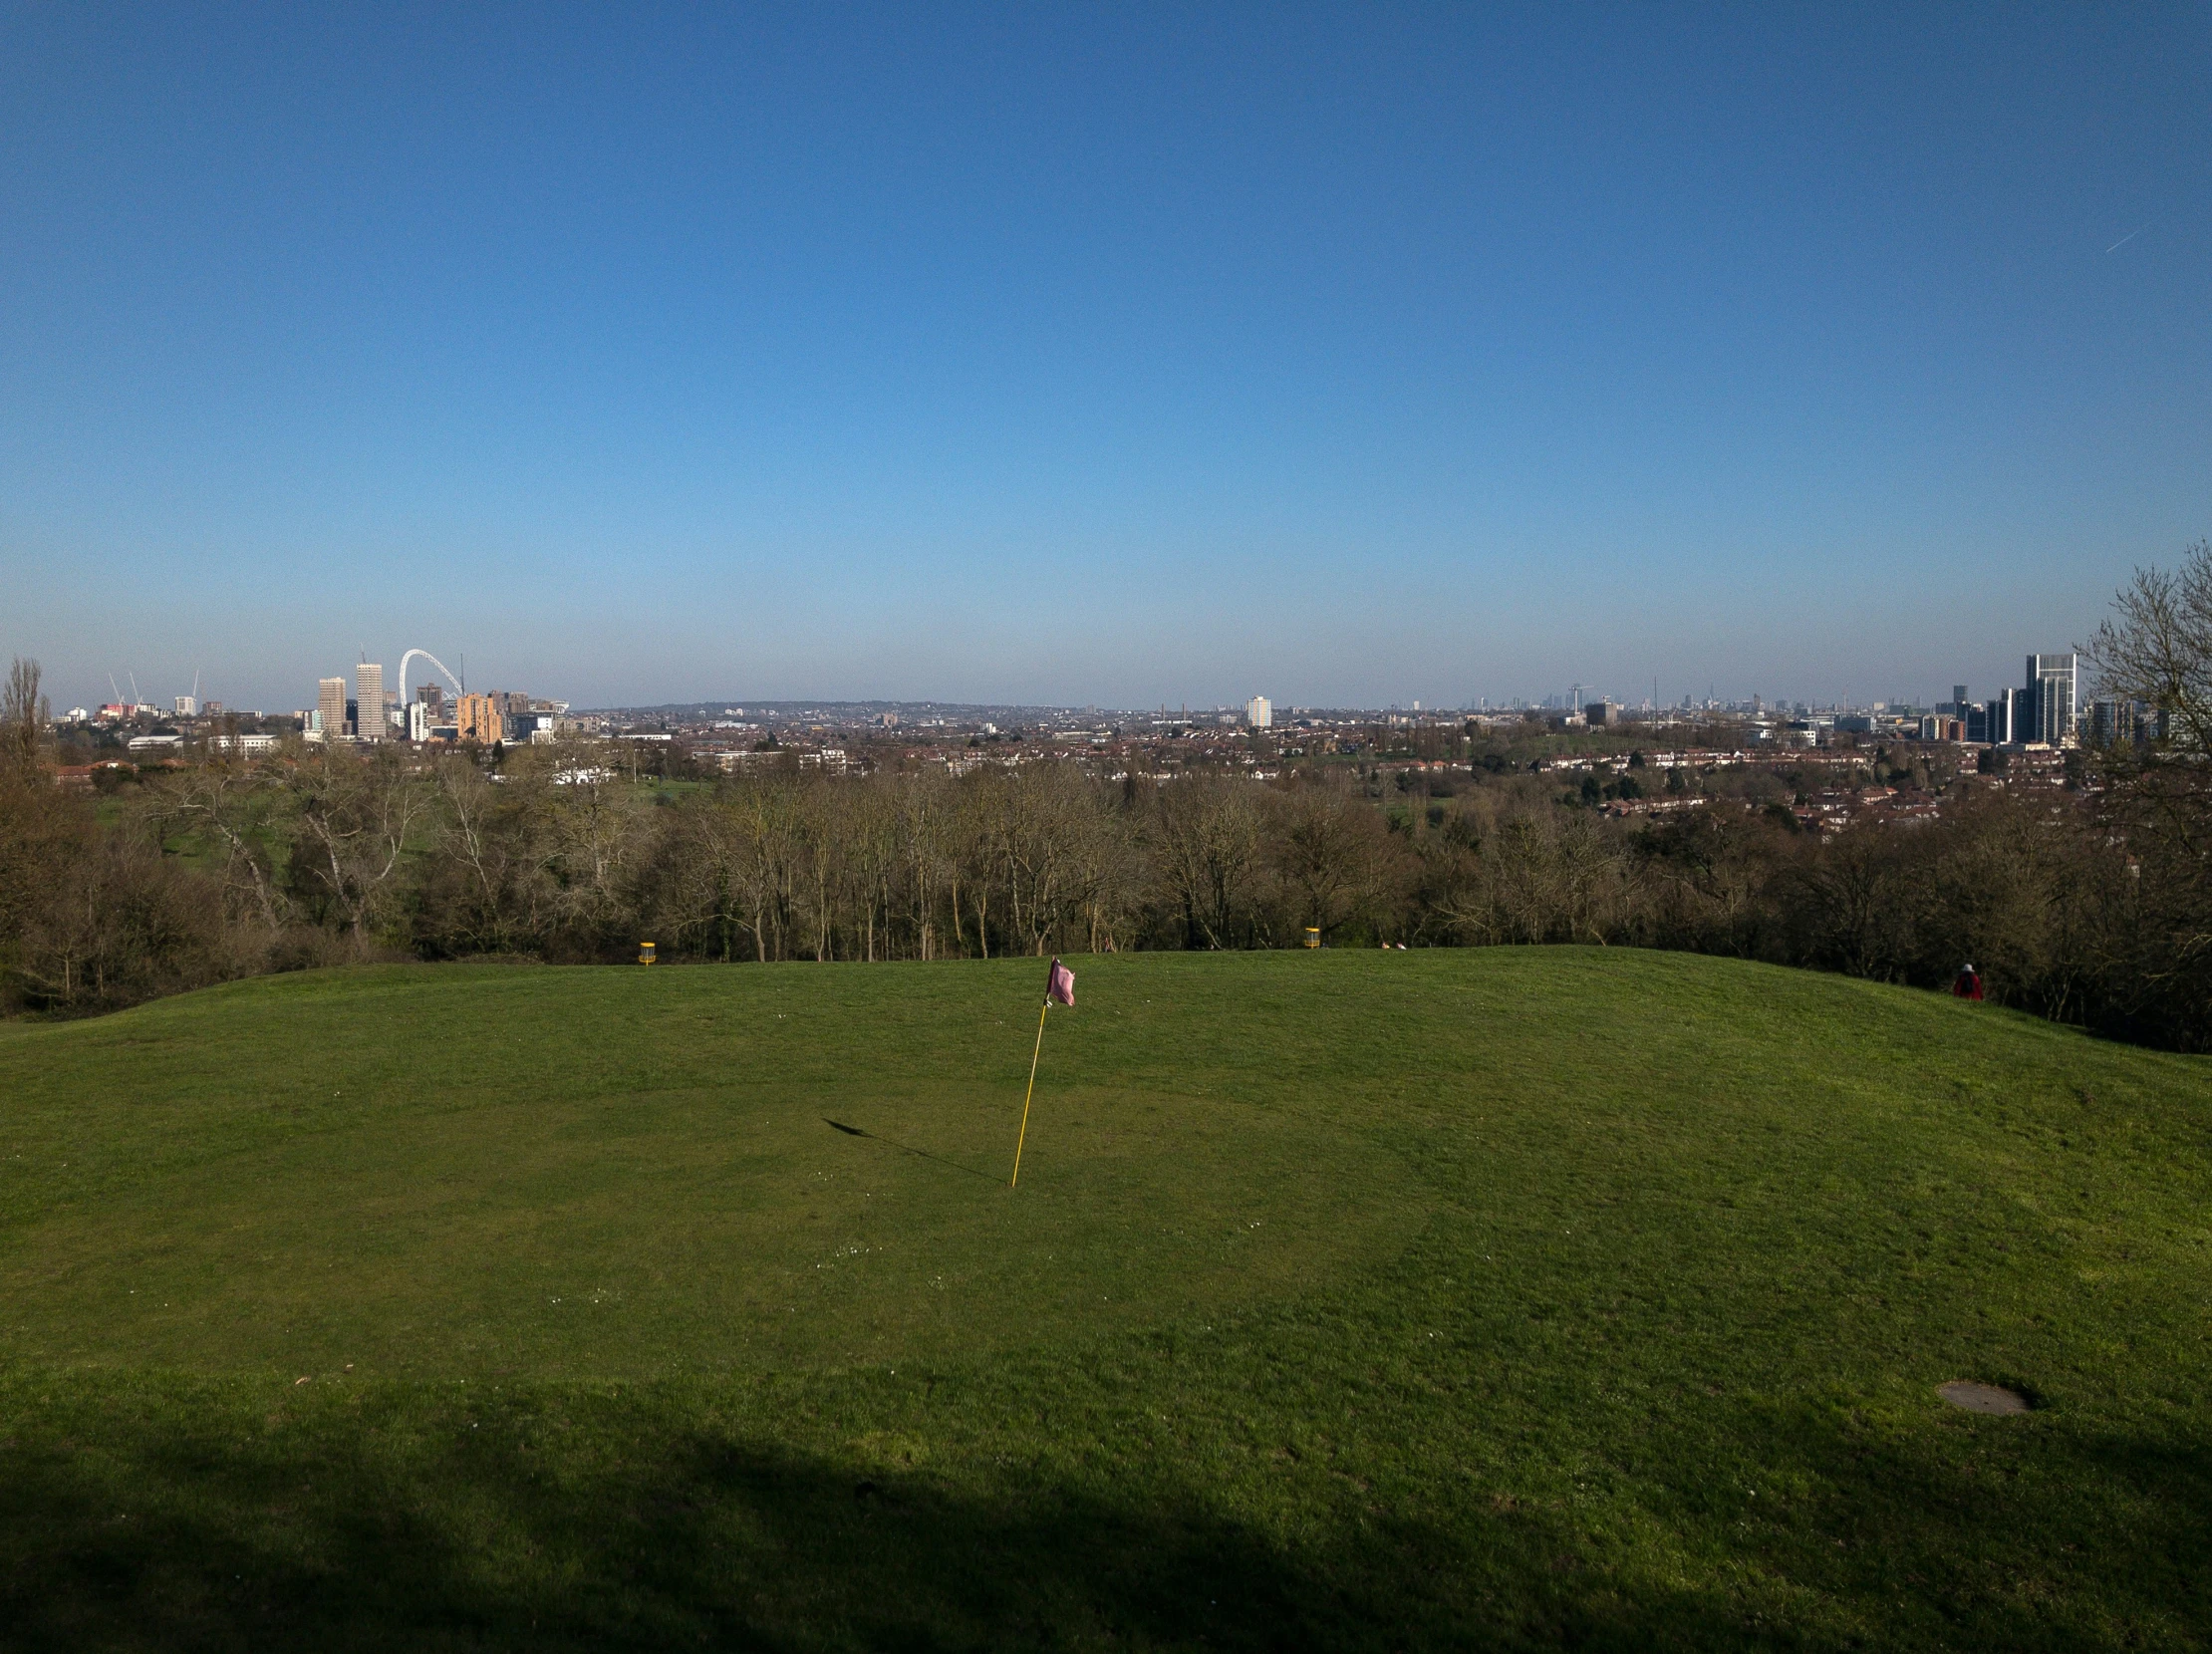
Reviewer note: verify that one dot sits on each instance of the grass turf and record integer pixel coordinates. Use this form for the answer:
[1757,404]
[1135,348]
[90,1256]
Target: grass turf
[1502,1297]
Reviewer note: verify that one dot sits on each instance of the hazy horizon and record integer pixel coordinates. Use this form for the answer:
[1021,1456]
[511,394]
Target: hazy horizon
[1114,356]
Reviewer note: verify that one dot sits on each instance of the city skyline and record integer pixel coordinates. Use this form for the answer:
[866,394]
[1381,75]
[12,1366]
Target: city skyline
[210,679]
[2050,703]
[1373,355]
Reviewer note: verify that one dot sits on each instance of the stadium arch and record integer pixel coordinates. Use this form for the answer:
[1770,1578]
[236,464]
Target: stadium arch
[407,659]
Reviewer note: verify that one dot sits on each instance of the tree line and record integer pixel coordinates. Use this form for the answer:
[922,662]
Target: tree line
[2091,906]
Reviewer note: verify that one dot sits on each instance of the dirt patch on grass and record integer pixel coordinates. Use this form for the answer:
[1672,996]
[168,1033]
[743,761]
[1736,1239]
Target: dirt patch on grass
[1982,1398]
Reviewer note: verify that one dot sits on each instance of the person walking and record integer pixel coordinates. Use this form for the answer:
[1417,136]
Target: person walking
[1968,985]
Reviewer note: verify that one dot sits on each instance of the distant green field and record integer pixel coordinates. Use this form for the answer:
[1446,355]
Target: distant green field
[1485,1298]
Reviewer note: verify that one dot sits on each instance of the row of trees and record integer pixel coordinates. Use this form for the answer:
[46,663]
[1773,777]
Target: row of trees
[2092,906]
[222,870]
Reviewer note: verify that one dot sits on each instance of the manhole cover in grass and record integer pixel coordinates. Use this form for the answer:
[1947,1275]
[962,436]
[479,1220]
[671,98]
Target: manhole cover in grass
[1982,1398]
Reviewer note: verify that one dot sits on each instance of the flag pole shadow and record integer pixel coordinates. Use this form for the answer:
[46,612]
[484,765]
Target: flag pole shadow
[903,1148]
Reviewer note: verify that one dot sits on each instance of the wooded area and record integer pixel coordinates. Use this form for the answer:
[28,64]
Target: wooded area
[225,869]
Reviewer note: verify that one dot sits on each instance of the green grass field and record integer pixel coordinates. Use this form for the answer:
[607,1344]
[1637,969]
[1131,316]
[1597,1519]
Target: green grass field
[1487,1298]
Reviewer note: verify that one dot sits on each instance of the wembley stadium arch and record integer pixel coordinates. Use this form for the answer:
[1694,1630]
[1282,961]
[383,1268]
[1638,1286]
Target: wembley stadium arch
[407,660]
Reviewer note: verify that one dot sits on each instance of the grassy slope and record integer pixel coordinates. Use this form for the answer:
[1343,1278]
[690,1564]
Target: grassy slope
[1489,1297]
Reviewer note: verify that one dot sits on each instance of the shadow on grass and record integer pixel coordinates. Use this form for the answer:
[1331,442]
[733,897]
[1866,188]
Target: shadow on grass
[174,1519]
[2023,1531]
[903,1148]
[207,1516]
[701,1542]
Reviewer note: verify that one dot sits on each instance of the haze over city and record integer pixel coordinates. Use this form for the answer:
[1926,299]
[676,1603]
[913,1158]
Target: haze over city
[1108,357]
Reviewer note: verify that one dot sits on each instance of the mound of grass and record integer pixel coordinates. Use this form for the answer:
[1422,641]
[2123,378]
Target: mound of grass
[1487,1298]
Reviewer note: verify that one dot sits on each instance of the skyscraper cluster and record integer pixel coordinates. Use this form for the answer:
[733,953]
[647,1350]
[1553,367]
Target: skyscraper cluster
[367,714]
[374,713]
[2046,708]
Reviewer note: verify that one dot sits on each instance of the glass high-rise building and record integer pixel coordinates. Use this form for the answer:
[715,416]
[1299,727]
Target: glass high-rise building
[1993,724]
[2111,721]
[2052,697]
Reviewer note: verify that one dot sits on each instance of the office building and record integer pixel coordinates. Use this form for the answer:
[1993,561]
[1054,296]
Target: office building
[187,706]
[330,708]
[2112,721]
[370,721]
[1991,723]
[431,697]
[1258,714]
[480,719]
[1599,714]
[2051,699]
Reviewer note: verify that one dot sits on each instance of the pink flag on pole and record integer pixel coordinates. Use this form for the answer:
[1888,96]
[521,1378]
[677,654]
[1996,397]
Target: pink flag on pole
[1060,984]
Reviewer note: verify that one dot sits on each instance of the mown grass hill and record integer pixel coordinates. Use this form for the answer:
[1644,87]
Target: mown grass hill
[1465,1299]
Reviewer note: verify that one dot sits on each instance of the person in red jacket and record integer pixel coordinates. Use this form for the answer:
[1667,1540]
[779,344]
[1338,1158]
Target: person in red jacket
[1969,985]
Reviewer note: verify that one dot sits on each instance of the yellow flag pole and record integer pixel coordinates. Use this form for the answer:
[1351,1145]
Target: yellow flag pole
[1031,1092]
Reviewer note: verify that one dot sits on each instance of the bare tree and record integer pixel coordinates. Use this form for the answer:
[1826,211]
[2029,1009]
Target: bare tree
[924,827]
[764,821]
[874,856]
[235,805]
[2156,648]
[1328,855]
[594,837]
[353,818]
[1042,833]
[1209,838]
[23,714]
[979,831]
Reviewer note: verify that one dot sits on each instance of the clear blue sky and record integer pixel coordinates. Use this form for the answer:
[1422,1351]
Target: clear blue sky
[1111,354]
